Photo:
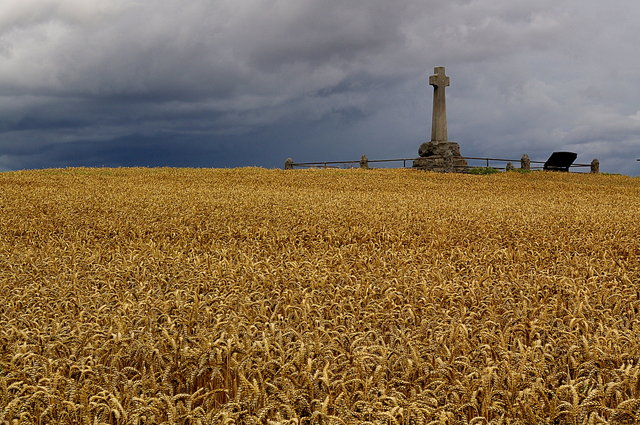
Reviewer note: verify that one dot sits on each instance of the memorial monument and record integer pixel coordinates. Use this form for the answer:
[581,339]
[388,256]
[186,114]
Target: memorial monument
[439,154]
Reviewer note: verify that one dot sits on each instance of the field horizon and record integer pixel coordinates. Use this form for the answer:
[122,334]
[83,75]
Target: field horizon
[261,296]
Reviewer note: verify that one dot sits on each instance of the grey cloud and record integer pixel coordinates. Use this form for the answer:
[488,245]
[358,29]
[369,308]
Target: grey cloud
[305,77]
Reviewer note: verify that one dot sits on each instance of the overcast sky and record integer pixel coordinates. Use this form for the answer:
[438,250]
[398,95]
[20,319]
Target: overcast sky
[225,83]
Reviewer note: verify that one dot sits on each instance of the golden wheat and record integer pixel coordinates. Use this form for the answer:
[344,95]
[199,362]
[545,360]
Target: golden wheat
[250,296]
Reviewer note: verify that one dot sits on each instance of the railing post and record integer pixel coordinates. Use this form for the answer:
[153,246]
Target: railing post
[510,166]
[595,166]
[288,164]
[525,162]
[364,162]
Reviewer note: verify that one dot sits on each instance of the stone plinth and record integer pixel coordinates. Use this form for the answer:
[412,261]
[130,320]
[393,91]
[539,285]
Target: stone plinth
[442,157]
[288,164]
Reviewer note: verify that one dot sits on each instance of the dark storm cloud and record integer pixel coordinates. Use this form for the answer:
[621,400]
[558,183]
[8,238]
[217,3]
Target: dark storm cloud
[250,82]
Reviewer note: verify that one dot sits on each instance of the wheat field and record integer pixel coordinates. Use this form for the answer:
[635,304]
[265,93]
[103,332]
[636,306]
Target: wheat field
[253,296]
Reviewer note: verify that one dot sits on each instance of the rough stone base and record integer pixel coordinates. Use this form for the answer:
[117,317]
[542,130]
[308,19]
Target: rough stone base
[439,148]
[442,157]
[441,165]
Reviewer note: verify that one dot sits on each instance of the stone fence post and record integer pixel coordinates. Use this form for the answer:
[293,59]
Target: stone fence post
[595,166]
[509,167]
[525,162]
[288,164]
[364,162]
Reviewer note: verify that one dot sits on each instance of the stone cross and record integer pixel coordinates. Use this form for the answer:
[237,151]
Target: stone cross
[439,119]
[440,154]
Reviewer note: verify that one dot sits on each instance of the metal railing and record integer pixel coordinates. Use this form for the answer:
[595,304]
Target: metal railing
[328,164]
[364,163]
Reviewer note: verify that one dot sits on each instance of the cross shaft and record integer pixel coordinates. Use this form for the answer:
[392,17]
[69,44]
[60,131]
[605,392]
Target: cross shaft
[439,118]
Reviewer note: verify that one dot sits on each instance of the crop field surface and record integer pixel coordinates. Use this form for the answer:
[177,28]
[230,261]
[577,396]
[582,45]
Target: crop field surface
[253,296]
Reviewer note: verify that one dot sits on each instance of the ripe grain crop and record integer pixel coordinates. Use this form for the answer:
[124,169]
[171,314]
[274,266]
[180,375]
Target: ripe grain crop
[251,296]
